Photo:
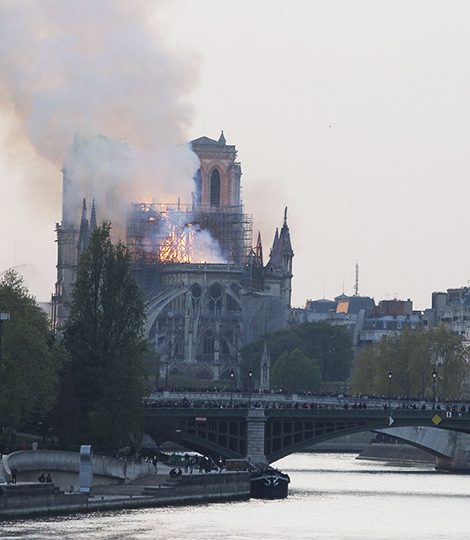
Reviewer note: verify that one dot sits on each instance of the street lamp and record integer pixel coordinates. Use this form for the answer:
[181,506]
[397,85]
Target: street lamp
[389,374]
[434,381]
[250,377]
[166,374]
[232,375]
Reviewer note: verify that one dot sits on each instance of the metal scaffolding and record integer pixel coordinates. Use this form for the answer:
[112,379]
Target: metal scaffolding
[166,233]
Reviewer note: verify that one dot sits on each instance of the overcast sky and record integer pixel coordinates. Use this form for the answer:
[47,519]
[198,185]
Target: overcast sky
[354,114]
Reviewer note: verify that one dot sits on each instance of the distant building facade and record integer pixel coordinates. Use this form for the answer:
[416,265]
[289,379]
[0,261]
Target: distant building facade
[450,309]
[367,322]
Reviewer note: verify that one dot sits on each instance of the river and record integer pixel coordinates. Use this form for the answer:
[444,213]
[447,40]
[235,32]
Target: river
[332,496]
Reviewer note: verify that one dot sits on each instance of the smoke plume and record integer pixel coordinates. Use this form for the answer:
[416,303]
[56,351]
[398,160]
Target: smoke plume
[94,87]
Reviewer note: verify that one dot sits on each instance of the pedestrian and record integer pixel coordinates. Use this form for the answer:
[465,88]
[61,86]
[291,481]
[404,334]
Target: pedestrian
[14,474]
[155,464]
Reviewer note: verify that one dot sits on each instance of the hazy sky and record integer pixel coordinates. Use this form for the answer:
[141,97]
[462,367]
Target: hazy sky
[354,114]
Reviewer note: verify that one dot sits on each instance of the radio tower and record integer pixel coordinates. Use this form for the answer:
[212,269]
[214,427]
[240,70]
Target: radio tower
[356,282]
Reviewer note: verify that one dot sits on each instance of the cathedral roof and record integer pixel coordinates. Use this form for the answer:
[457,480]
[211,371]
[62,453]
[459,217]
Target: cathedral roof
[207,141]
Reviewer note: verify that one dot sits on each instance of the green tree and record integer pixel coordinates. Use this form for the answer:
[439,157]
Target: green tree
[451,361]
[412,356]
[295,372]
[31,359]
[331,346]
[104,335]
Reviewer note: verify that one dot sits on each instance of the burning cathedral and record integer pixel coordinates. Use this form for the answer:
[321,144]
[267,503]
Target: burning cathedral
[208,289]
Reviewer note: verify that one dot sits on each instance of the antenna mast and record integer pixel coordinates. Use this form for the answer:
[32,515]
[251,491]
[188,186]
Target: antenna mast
[356,283]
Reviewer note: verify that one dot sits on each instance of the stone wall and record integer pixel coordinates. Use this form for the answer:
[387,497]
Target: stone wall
[19,500]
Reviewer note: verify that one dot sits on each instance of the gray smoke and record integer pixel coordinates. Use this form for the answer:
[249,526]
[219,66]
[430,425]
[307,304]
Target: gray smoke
[74,71]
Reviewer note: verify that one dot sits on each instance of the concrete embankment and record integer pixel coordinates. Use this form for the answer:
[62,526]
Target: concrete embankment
[28,499]
[396,453]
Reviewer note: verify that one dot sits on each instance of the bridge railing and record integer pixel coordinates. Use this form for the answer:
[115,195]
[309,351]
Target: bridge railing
[203,413]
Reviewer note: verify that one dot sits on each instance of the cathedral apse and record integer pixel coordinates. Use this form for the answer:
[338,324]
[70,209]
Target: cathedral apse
[208,290]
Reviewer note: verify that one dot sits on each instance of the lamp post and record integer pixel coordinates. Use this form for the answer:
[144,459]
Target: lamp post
[166,374]
[434,381]
[232,375]
[390,375]
[250,377]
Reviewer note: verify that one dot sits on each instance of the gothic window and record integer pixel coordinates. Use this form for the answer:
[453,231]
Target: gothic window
[196,291]
[215,297]
[208,344]
[224,348]
[215,188]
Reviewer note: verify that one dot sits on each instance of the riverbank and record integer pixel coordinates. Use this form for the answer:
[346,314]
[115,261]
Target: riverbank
[32,498]
[399,452]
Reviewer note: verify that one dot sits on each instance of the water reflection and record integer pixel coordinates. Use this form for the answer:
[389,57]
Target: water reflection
[332,496]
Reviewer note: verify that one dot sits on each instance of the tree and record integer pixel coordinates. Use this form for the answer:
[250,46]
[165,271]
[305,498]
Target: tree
[412,356]
[105,337]
[31,359]
[295,372]
[330,346]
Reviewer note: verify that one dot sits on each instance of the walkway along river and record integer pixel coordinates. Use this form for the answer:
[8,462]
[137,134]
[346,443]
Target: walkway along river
[332,496]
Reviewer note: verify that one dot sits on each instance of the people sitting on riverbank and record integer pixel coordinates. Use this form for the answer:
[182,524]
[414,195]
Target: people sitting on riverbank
[42,478]
[173,473]
[48,478]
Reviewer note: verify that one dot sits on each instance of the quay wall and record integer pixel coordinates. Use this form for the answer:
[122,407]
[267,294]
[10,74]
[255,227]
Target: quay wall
[20,500]
[396,452]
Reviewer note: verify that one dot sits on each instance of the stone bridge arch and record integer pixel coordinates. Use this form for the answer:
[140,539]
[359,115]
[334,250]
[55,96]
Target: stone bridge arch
[276,433]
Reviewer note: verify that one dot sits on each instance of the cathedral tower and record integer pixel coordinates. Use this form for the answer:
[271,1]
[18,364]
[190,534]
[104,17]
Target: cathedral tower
[218,179]
[217,202]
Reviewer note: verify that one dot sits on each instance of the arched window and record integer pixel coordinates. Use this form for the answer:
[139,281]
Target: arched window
[215,188]
[198,190]
[208,343]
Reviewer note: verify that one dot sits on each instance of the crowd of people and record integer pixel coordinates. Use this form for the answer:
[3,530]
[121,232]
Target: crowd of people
[340,402]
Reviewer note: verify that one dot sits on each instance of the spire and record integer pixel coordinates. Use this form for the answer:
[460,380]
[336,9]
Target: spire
[84,231]
[284,238]
[275,253]
[276,238]
[222,138]
[265,367]
[281,253]
[93,217]
[259,249]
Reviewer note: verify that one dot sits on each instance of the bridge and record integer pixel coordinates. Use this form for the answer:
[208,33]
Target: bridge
[268,434]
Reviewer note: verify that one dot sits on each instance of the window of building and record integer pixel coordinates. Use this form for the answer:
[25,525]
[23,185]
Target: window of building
[215,188]
[208,344]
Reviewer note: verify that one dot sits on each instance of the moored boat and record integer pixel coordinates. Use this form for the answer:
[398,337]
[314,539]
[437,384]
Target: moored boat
[269,483]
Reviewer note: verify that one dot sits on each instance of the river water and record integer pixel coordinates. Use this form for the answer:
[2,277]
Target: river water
[332,496]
